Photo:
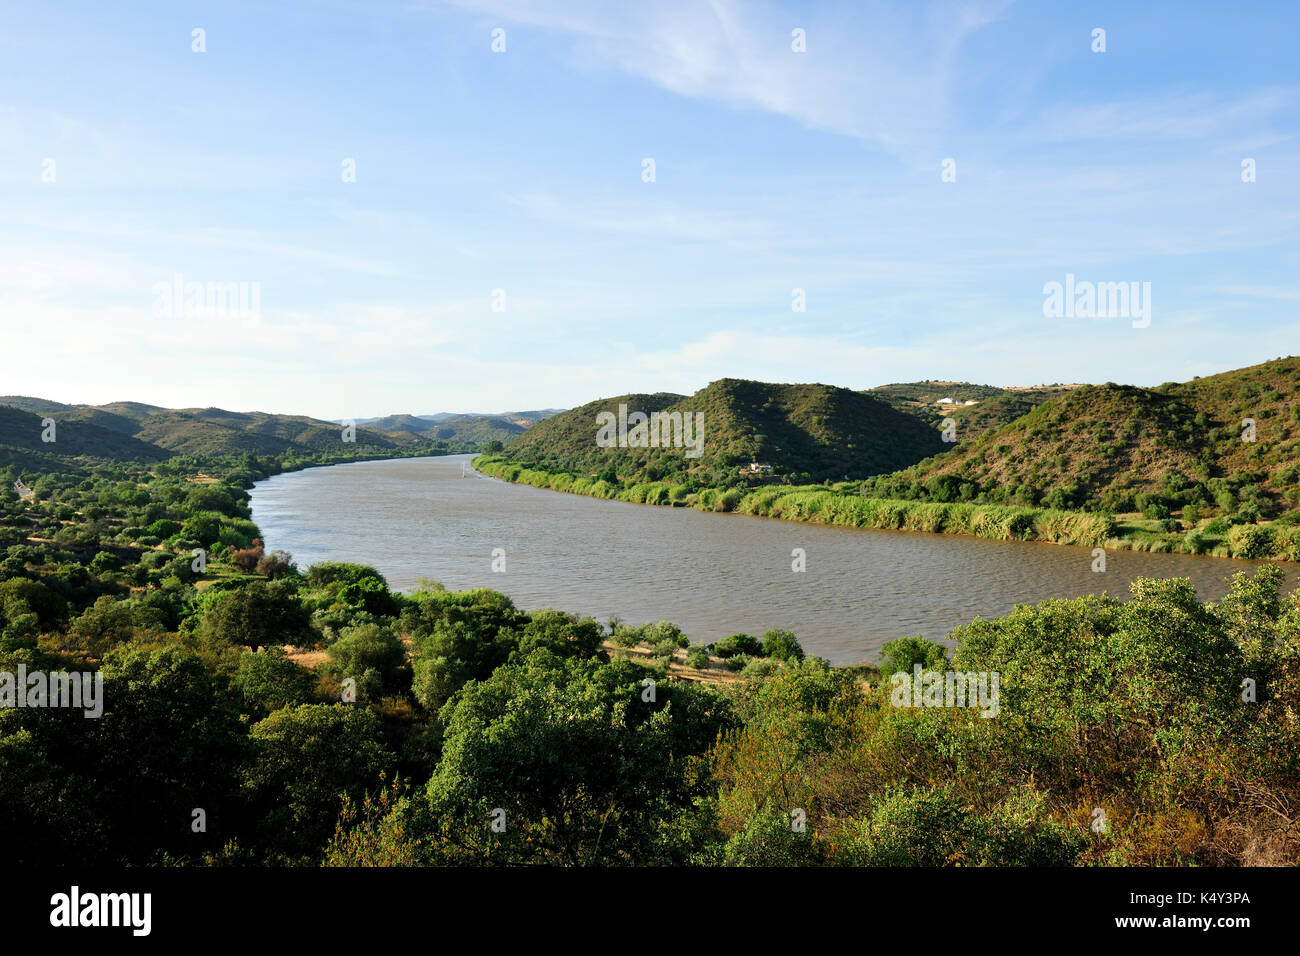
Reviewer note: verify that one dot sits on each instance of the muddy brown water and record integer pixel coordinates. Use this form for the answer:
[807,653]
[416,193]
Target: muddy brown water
[711,574]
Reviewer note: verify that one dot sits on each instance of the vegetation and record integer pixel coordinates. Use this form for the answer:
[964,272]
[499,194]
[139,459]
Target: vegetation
[466,429]
[130,431]
[804,432]
[1167,469]
[254,712]
[269,715]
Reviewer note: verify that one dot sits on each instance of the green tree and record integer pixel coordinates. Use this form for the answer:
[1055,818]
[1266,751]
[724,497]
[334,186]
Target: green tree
[258,615]
[305,759]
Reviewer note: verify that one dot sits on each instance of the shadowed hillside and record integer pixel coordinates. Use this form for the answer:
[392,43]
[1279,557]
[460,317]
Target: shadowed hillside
[805,432]
[128,431]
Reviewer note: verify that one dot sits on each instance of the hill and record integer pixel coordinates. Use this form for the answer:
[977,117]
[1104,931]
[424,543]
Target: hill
[129,431]
[472,429]
[21,441]
[805,432]
[992,407]
[1122,448]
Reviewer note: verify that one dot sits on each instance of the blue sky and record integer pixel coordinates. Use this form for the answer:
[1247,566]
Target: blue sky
[522,171]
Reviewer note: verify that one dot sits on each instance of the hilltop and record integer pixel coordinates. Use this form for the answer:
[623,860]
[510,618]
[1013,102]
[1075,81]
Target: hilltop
[805,432]
[471,429]
[990,406]
[129,431]
[1123,448]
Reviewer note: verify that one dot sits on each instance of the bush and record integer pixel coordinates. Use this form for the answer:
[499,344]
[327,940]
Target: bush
[269,680]
[104,562]
[737,662]
[277,564]
[904,653]
[664,634]
[782,646]
[164,528]
[374,657]
[737,644]
[932,828]
[698,656]
[1251,541]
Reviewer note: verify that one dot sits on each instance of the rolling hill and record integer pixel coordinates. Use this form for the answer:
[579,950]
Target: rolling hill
[131,431]
[21,441]
[474,429]
[1123,448]
[993,406]
[806,432]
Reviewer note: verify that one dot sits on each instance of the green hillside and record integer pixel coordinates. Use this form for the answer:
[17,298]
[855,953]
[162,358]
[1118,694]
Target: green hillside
[927,393]
[21,441]
[972,421]
[993,406]
[1122,448]
[471,429]
[804,432]
[127,431]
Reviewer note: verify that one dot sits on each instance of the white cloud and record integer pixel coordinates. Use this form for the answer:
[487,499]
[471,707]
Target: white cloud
[871,71]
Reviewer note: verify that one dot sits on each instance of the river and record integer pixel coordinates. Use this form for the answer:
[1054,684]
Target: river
[711,574]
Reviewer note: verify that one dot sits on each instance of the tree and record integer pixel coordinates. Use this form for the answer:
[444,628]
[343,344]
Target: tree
[258,615]
[269,679]
[305,758]
[374,657]
[110,622]
[167,719]
[782,646]
[575,765]
[904,653]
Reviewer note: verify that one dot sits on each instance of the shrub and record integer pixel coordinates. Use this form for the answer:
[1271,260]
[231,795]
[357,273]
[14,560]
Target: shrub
[1251,541]
[698,656]
[737,662]
[277,564]
[782,646]
[931,827]
[904,653]
[737,644]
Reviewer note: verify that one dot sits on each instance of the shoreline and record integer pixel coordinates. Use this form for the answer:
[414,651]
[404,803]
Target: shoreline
[815,504]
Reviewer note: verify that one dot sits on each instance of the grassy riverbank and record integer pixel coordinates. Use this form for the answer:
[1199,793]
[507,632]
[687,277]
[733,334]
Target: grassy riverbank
[838,505]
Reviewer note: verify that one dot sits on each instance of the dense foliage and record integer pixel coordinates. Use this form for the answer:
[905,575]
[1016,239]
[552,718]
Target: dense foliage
[257,713]
[1171,469]
[804,432]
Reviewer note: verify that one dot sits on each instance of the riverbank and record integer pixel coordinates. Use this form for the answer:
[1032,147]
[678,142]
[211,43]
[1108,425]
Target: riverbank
[819,504]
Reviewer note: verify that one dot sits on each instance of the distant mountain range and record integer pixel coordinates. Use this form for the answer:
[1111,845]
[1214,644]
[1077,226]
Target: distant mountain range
[1216,444]
[132,431]
[518,418]
[470,427]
